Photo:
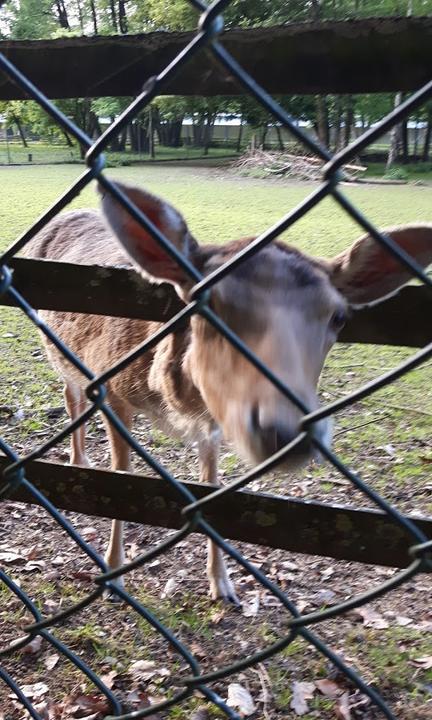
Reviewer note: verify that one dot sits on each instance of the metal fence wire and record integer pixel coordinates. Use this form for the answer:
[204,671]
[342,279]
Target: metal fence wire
[298,625]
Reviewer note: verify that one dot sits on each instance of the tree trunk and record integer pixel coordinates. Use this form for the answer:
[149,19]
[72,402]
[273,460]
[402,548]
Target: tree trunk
[21,132]
[94,16]
[280,140]
[139,137]
[80,16]
[122,17]
[69,142]
[151,134]
[395,137]
[118,143]
[263,137]
[62,15]
[240,135]
[405,142]
[208,131]
[416,139]
[199,132]
[349,120]
[337,123]
[322,124]
[169,132]
[428,136]
[113,15]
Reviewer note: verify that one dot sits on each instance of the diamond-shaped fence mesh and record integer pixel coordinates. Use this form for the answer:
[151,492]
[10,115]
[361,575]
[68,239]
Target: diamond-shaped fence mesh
[297,624]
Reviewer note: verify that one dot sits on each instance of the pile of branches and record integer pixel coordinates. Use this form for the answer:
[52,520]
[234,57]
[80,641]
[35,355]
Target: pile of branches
[286,164]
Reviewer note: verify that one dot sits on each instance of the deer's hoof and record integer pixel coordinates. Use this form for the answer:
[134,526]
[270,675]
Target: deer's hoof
[223,589]
[110,593]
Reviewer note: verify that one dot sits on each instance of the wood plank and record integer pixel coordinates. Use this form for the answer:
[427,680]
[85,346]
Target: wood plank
[305,527]
[353,56]
[91,289]
[49,285]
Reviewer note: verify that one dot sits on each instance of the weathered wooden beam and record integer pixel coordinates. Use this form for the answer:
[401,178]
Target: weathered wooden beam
[306,527]
[354,56]
[49,285]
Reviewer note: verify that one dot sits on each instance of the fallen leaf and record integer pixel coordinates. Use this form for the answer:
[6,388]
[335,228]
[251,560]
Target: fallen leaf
[198,650]
[370,618]
[38,690]
[169,589]
[424,662]
[327,573]
[302,691]
[251,609]
[342,708]
[217,616]
[83,575]
[200,714]
[58,560]
[325,597]
[34,565]
[50,606]
[11,557]
[140,666]
[89,533]
[51,661]
[241,699]
[109,679]
[83,705]
[33,646]
[33,553]
[48,710]
[138,697]
[403,621]
[329,688]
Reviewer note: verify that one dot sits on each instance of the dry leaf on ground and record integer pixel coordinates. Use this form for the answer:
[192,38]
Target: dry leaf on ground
[423,662]
[302,691]
[33,646]
[370,618]
[241,699]
[342,708]
[329,688]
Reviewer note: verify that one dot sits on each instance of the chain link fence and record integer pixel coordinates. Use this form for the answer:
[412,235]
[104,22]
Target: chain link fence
[298,625]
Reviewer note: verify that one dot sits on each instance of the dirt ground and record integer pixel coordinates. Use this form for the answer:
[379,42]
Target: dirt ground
[389,641]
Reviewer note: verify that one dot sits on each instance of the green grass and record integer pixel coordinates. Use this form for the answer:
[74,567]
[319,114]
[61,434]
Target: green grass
[44,153]
[412,172]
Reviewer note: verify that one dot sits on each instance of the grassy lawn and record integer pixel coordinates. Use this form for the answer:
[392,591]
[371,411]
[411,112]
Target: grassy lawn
[386,438]
[42,153]
[414,172]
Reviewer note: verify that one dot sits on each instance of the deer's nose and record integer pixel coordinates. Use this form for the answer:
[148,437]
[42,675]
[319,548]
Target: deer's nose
[275,436]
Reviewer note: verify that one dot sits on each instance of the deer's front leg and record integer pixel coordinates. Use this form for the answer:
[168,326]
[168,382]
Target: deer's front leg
[120,460]
[220,583]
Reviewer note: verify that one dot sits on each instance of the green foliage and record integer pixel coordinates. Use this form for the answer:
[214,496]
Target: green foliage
[31,19]
[396,173]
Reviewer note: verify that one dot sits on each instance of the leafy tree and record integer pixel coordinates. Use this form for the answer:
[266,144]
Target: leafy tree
[31,19]
[15,112]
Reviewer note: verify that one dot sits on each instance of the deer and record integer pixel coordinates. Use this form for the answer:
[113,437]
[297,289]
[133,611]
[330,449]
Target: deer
[286,306]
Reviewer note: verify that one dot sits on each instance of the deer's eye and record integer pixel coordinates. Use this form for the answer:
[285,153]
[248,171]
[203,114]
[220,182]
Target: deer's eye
[338,320]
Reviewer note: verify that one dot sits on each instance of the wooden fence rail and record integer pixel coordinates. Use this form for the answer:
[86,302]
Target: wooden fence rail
[312,528]
[49,285]
[353,56]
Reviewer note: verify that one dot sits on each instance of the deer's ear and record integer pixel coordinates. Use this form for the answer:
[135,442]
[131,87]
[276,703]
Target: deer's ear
[139,244]
[367,272]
